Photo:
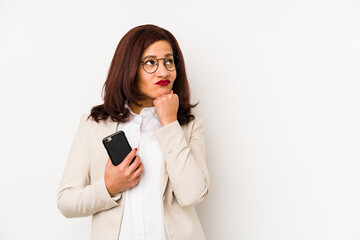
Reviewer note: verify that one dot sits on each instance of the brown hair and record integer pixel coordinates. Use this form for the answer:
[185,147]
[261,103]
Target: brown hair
[120,84]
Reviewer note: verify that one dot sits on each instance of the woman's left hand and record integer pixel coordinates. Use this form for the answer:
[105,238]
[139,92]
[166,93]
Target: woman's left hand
[166,107]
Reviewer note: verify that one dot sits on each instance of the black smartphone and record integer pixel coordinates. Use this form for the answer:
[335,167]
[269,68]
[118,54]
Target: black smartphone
[117,147]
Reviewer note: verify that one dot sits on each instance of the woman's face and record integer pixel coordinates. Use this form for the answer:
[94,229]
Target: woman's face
[161,81]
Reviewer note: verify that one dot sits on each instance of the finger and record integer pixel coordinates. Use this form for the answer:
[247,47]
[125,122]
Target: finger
[135,181]
[171,92]
[126,162]
[135,164]
[139,170]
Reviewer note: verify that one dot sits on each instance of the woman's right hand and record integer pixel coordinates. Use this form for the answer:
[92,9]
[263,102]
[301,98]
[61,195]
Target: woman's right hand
[122,177]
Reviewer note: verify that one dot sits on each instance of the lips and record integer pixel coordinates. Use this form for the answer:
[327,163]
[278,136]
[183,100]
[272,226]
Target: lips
[163,82]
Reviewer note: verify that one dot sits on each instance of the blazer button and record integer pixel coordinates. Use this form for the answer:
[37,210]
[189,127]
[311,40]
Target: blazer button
[169,150]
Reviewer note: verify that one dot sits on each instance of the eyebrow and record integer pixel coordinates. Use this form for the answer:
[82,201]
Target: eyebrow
[148,56]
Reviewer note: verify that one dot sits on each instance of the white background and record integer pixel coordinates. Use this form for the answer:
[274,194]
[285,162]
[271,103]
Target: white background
[278,85]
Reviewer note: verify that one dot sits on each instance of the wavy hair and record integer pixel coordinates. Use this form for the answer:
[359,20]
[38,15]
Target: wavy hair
[120,85]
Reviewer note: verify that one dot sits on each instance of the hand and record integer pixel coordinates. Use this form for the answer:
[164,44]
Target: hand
[122,177]
[166,107]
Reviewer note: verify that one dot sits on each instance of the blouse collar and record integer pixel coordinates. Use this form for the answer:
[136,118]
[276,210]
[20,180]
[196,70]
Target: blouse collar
[146,111]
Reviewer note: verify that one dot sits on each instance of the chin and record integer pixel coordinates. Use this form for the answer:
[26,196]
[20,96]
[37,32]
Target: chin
[164,91]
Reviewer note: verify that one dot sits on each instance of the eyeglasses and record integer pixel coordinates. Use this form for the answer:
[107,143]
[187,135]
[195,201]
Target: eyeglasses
[151,64]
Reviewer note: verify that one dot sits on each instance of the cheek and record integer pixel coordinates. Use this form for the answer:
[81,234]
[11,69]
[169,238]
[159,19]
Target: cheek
[143,83]
[140,79]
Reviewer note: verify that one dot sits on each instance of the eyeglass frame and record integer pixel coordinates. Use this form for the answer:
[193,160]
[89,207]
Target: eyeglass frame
[157,65]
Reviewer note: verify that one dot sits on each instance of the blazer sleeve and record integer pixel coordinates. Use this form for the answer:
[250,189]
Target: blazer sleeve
[185,161]
[78,196]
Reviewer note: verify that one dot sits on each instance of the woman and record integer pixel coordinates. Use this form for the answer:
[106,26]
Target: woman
[147,96]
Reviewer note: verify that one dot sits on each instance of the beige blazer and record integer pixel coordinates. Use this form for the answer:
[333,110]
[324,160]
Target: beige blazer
[185,179]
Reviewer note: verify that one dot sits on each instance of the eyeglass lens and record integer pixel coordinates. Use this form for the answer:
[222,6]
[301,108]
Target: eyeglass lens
[151,64]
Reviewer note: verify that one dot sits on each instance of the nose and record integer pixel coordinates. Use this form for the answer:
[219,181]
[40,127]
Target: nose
[162,71]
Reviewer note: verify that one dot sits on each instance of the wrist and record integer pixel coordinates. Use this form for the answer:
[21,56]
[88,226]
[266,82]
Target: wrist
[109,189]
[168,121]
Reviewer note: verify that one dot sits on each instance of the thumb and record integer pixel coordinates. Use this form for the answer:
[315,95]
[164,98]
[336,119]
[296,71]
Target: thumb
[109,163]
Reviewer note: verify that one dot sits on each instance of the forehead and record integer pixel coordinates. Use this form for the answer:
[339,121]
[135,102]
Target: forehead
[158,49]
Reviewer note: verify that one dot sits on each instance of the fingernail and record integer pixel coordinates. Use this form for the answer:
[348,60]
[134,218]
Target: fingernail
[135,149]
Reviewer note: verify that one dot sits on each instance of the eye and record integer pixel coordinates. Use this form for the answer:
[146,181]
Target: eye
[150,62]
[169,61]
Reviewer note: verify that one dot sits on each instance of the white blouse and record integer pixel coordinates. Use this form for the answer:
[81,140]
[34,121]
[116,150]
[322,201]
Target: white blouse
[142,217]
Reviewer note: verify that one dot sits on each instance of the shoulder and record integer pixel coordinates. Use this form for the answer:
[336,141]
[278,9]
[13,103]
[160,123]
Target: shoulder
[198,121]
[95,131]
[87,119]
[87,122]
[194,125]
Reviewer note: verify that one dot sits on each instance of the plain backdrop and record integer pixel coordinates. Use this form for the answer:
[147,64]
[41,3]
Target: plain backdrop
[278,86]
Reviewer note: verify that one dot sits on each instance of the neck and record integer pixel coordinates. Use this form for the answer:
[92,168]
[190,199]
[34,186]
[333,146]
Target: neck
[137,109]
